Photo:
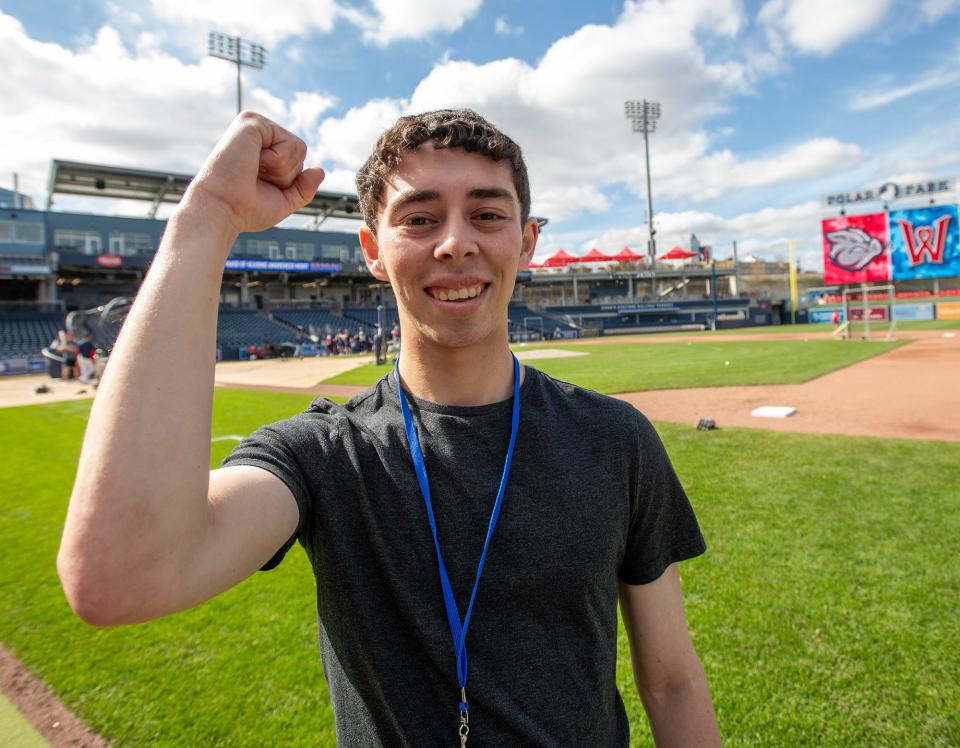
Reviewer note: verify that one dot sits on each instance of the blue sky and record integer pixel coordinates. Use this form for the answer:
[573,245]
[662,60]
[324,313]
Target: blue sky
[767,106]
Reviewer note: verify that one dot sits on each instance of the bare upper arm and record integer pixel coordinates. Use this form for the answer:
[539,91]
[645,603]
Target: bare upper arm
[250,514]
[660,645]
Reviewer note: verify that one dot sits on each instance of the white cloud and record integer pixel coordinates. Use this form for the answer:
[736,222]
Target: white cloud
[262,24]
[125,15]
[932,79]
[723,171]
[306,109]
[107,104]
[821,26]
[410,19]
[503,28]
[567,112]
[765,232]
[347,141]
[559,203]
[934,10]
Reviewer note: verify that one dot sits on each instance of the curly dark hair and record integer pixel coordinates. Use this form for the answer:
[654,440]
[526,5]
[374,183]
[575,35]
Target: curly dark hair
[446,128]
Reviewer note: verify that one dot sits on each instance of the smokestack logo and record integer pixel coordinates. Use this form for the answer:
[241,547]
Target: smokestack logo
[853,249]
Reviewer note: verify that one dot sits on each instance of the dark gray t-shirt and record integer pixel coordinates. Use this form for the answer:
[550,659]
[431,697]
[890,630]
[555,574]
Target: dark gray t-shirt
[592,500]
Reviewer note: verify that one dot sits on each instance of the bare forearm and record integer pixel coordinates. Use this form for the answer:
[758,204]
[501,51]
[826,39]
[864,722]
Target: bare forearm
[141,484]
[682,714]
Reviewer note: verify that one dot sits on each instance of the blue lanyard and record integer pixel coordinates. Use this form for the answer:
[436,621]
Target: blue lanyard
[457,630]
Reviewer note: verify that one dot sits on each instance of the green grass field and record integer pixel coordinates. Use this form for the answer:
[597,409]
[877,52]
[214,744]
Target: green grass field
[633,367]
[825,610]
[907,325]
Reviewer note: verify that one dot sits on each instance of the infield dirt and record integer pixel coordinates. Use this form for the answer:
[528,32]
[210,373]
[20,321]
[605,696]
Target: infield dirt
[911,392]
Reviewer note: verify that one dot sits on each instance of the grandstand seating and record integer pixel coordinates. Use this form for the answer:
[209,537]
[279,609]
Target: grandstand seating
[25,334]
[524,323]
[321,322]
[238,328]
[368,316]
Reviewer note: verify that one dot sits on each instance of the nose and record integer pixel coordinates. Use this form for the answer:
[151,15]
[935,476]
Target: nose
[457,241]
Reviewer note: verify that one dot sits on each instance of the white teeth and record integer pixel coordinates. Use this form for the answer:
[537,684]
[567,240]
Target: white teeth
[456,294]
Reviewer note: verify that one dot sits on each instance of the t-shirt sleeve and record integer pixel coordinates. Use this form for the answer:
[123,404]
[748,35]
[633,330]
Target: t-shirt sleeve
[274,448]
[663,527]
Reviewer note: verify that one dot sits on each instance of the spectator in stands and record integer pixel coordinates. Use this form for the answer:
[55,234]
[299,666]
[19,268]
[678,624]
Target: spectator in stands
[378,351]
[85,353]
[343,342]
[446,201]
[301,341]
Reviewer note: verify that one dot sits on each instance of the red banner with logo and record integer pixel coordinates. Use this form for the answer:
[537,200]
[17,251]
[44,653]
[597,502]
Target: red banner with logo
[877,314]
[856,249]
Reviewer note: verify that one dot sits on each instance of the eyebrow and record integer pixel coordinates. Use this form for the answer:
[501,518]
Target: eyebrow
[490,192]
[411,197]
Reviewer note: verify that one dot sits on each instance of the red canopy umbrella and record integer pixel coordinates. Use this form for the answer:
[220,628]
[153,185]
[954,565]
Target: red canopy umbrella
[533,265]
[559,259]
[627,255]
[678,253]
[595,255]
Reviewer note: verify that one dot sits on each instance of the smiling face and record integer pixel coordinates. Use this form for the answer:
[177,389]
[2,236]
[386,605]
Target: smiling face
[449,240]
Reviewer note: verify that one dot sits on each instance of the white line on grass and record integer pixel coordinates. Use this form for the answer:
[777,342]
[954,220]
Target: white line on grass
[228,437]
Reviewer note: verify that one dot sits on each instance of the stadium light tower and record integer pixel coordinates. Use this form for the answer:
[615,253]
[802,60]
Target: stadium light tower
[644,115]
[239,51]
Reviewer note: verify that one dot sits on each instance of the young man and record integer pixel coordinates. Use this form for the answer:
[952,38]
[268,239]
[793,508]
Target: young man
[462,506]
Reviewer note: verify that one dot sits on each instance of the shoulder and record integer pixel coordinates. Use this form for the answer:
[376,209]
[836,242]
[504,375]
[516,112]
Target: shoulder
[555,398]
[324,420]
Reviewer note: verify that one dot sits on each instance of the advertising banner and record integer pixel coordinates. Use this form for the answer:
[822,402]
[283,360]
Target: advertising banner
[23,366]
[825,315]
[855,249]
[924,242]
[912,312]
[877,314]
[948,311]
[284,266]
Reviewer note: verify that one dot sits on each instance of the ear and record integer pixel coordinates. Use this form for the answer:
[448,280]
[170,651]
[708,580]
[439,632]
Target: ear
[371,254]
[531,232]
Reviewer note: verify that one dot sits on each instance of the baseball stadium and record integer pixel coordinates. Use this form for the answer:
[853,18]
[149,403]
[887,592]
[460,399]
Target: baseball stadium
[827,582]
[811,414]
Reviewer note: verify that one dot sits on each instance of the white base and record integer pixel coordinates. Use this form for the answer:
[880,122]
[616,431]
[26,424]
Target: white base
[773,411]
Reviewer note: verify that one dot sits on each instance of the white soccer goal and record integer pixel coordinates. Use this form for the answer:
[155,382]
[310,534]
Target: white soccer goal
[869,309]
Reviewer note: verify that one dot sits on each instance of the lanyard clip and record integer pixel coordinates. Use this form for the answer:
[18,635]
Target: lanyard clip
[464,717]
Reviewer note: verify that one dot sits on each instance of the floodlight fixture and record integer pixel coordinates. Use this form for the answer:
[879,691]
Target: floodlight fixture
[239,51]
[644,115]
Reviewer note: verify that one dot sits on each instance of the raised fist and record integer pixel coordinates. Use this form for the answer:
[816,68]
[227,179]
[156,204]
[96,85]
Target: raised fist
[254,178]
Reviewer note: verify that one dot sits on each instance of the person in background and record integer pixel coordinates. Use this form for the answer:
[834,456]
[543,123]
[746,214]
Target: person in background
[86,351]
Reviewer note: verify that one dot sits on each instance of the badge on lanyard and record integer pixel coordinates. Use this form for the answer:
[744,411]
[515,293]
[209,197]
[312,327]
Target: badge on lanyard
[458,629]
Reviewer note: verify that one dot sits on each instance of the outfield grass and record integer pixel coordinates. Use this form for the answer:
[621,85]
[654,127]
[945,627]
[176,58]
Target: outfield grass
[634,367]
[825,609]
[938,324]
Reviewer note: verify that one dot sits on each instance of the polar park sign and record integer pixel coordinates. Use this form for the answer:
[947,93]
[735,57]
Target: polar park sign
[892,245]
